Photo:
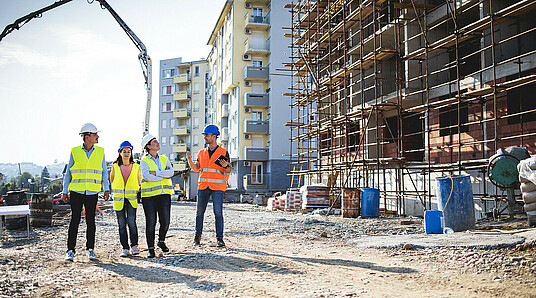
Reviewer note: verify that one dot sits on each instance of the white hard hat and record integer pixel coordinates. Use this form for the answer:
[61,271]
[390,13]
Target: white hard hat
[146,139]
[88,128]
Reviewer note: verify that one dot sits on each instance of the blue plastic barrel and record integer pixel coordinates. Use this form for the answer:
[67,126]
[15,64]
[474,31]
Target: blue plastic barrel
[370,202]
[433,222]
[455,199]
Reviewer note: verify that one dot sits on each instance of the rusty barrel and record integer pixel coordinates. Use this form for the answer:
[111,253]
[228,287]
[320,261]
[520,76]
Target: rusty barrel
[12,198]
[41,210]
[351,199]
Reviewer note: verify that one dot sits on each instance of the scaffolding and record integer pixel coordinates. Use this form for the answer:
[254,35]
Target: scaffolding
[391,94]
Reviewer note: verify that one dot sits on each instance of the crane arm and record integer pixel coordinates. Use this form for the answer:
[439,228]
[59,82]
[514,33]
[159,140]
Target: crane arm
[25,19]
[145,60]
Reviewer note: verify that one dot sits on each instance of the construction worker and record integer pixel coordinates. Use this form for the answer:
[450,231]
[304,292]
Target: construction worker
[213,163]
[126,177]
[156,191]
[86,175]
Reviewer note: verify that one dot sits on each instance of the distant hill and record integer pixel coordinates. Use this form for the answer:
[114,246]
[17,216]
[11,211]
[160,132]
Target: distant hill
[12,169]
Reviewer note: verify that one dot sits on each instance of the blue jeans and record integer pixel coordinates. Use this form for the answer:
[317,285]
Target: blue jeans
[217,206]
[161,205]
[127,216]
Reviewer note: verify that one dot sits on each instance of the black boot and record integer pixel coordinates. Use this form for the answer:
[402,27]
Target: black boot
[197,239]
[163,246]
[151,253]
[220,243]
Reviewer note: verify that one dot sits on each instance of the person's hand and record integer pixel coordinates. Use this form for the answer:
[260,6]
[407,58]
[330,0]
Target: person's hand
[65,197]
[152,172]
[106,195]
[188,155]
[225,163]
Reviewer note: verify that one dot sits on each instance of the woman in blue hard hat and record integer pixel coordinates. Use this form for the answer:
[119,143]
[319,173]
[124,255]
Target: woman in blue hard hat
[156,191]
[126,178]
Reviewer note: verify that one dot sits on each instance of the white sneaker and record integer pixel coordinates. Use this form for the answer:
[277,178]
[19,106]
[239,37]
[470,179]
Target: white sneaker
[91,254]
[124,253]
[69,256]
[135,250]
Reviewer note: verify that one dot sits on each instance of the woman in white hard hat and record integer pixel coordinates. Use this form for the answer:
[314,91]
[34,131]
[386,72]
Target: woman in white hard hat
[126,177]
[156,191]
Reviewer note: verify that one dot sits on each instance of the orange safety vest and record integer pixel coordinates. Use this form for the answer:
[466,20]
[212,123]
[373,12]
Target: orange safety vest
[212,175]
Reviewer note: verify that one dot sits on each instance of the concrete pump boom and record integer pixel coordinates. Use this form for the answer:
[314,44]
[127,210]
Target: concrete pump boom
[145,59]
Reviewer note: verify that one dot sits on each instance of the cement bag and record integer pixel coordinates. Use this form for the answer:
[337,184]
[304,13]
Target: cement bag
[529,197]
[527,187]
[527,170]
[530,207]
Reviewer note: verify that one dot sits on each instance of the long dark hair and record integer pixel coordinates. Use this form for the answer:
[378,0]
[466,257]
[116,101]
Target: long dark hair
[119,159]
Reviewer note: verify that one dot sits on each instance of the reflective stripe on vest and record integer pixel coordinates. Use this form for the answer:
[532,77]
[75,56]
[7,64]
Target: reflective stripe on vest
[86,173]
[122,191]
[154,188]
[212,175]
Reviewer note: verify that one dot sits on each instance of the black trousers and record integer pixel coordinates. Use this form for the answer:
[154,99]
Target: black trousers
[89,202]
[154,206]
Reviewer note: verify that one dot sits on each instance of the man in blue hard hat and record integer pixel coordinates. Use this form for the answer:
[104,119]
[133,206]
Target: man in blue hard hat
[214,166]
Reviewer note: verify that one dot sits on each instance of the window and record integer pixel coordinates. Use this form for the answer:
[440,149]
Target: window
[196,88]
[166,107]
[173,123]
[520,100]
[172,156]
[257,63]
[173,140]
[164,124]
[163,140]
[196,106]
[168,73]
[256,116]
[167,90]
[196,123]
[448,120]
[196,72]
[196,140]
[256,173]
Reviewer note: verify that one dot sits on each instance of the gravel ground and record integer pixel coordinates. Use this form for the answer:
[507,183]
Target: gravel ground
[268,254]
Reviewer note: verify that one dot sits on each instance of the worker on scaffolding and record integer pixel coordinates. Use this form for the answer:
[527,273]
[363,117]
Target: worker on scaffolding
[214,164]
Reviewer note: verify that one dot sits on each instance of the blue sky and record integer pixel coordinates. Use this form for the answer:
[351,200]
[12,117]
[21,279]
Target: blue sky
[76,65]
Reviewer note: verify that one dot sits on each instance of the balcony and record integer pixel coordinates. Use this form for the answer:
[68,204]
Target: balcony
[225,110]
[255,100]
[256,22]
[253,48]
[181,113]
[260,154]
[255,127]
[180,166]
[181,131]
[181,79]
[255,181]
[180,148]
[225,134]
[256,73]
[181,95]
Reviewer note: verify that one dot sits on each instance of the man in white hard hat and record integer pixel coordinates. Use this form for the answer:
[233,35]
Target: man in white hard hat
[85,177]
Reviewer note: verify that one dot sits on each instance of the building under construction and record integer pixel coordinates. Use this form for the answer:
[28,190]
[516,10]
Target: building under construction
[391,94]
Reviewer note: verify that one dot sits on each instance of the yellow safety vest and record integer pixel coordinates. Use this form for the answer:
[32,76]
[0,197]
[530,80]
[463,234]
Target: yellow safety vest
[86,173]
[154,188]
[122,191]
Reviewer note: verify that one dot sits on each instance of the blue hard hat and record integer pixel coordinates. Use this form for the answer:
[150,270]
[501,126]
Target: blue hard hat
[211,128]
[123,145]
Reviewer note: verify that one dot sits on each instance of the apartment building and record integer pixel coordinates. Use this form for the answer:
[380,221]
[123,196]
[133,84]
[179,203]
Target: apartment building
[246,93]
[392,94]
[182,116]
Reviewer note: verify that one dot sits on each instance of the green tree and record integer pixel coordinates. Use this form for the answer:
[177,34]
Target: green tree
[22,180]
[2,178]
[7,187]
[44,174]
[54,187]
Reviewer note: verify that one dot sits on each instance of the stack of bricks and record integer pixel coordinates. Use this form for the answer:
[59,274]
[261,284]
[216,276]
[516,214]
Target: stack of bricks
[293,201]
[315,196]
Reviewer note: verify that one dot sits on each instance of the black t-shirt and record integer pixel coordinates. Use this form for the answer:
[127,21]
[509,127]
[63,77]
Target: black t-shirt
[210,152]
